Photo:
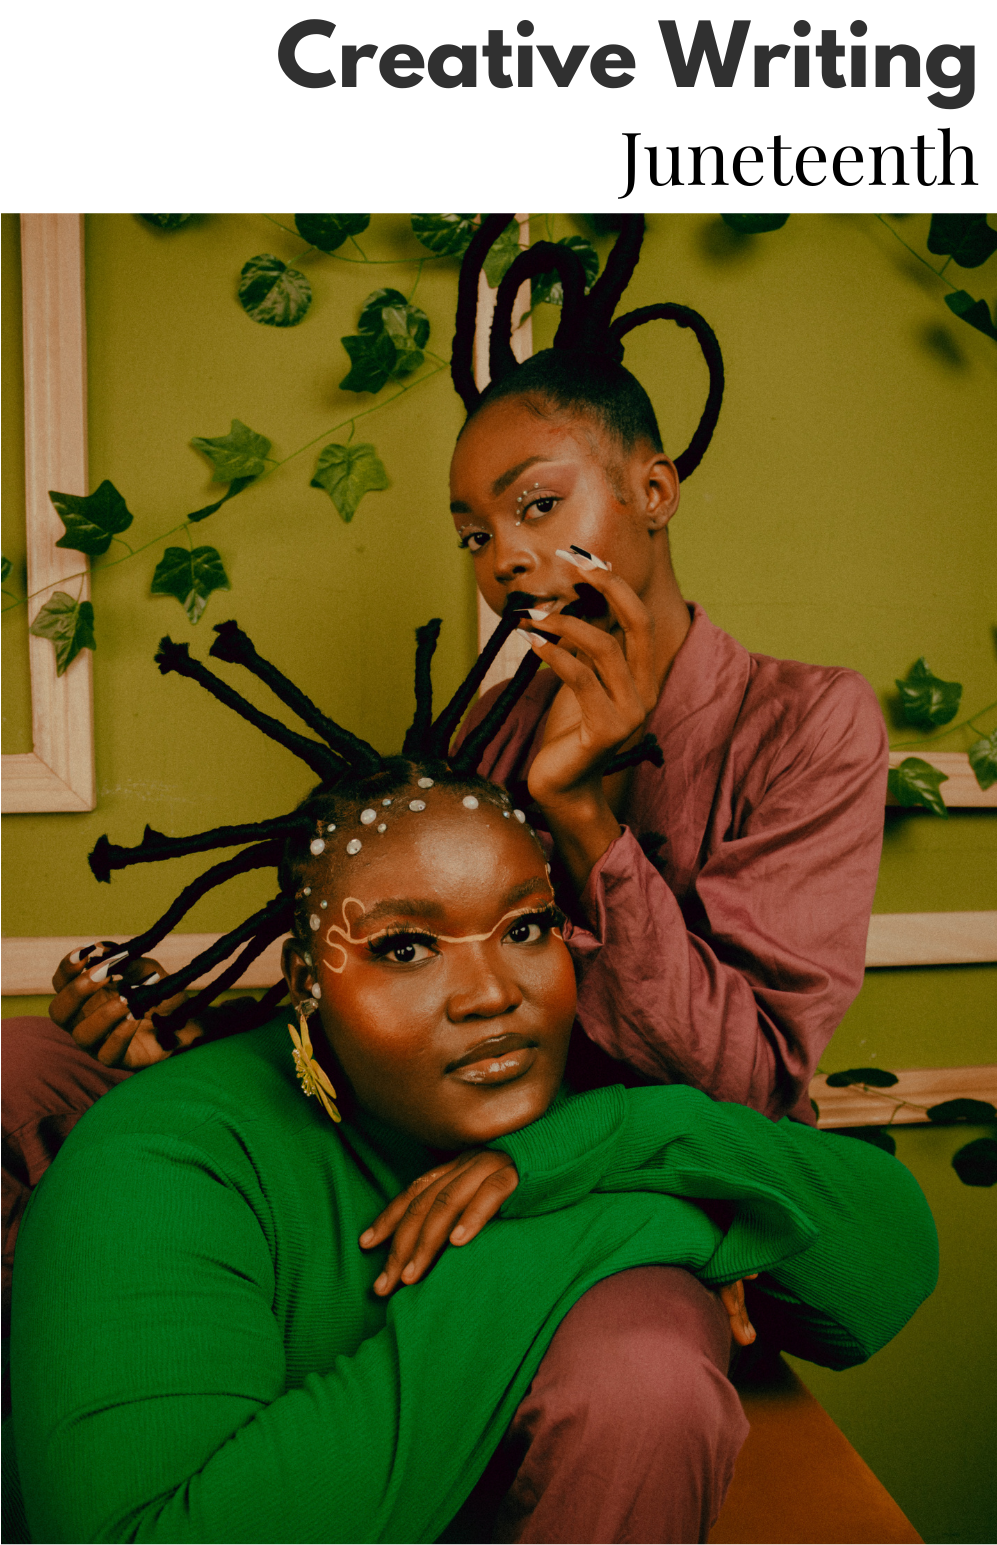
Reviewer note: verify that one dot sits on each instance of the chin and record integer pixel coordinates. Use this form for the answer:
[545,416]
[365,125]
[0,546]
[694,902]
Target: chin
[497,1112]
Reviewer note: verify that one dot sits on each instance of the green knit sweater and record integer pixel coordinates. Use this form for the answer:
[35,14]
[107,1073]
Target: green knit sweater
[197,1352]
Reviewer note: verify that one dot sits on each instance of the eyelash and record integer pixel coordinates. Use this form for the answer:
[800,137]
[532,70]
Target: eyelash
[551,499]
[385,944]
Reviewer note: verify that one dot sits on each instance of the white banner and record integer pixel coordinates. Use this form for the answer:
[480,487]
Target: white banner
[617,107]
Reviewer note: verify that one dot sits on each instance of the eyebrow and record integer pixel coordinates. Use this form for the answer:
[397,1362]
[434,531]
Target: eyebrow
[407,906]
[459,507]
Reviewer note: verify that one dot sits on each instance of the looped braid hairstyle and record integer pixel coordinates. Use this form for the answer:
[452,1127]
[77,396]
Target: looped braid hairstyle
[584,367]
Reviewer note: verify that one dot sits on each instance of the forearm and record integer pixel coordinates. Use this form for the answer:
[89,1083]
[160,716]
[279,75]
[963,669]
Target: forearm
[583,828]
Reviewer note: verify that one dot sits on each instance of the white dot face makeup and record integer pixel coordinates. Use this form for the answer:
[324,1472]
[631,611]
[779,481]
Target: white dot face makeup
[316,846]
[469,802]
[367,817]
[520,817]
[417,804]
[382,827]
[314,921]
[354,846]
[425,783]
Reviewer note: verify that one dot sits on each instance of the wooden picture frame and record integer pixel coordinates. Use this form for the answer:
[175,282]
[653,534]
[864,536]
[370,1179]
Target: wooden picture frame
[57,774]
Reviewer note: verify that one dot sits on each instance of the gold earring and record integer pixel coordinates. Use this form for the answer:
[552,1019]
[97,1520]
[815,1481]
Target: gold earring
[314,1079]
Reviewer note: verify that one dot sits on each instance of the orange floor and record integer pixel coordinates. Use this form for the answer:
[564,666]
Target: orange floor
[798,1480]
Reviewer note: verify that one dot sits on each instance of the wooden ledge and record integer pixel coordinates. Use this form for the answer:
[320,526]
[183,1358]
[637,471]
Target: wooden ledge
[798,1481]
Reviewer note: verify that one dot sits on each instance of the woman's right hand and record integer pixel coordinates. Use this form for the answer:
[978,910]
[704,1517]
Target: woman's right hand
[91,1009]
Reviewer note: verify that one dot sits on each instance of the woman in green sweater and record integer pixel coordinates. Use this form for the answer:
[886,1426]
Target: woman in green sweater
[202,1350]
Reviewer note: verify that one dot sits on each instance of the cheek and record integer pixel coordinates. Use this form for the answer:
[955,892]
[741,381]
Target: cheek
[549,980]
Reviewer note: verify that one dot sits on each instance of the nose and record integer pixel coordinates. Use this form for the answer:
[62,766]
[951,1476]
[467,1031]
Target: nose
[511,557]
[484,990]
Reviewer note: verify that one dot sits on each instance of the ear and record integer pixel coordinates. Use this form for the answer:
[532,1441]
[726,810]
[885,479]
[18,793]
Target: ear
[298,974]
[660,487]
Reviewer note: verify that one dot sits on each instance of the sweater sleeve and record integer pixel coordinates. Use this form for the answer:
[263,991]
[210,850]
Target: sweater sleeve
[738,990]
[841,1229]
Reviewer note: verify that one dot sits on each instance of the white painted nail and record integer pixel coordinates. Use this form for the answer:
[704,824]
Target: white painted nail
[596,562]
[74,958]
[150,981]
[537,614]
[101,971]
[535,638]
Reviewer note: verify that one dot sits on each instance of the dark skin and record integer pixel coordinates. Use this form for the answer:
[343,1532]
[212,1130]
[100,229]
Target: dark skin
[448,1009]
[616,505]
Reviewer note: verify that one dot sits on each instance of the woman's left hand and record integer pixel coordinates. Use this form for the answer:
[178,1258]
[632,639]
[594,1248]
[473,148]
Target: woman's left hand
[732,1298]
[452,1202]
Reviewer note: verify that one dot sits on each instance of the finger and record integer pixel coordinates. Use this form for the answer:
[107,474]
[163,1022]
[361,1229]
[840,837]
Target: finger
[386,1222]
[423,1230]
[614,667]
[628,609]
[485,1203]
[71,966]
[606,722]
[70,1005]
[92,1031]
[113,1049]
[732,1296]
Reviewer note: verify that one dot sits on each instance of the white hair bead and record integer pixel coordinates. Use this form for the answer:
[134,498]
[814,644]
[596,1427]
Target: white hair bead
[354,846]
[520,817]
[382,827]
[469,802]
[417,804]
[317,846]
[425,783]
[316,991]
[314,921]
[366,816]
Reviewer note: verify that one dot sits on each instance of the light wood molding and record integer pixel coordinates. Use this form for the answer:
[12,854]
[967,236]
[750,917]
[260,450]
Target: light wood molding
[58,773]
[931,939]
[869,1107]
[514,648]
[895,939]
[962,789]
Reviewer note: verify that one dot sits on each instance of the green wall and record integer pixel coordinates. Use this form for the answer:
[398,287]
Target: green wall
[844,514]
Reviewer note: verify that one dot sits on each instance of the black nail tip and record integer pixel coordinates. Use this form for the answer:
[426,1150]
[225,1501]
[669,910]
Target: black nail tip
[580,551]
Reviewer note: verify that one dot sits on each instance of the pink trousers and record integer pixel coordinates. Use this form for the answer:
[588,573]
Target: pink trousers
[630,1428]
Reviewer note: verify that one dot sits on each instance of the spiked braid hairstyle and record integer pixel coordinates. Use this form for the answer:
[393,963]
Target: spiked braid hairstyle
[584,368]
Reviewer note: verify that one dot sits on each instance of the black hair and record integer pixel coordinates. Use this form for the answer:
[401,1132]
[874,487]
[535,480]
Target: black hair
[583,370]
[351,771]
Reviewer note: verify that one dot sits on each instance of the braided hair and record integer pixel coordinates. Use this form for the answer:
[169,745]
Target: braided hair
[583,370]
[350,770]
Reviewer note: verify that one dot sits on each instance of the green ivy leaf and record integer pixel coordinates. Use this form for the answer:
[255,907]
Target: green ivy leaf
[927,700]
[967,238]
[374,307]
[878,1136]
[372,359]
[346,473]
[167,222]
[69,624]
[191,577]
[878,1078]
[983,760]
[327,232]
[4,567]
[503,254]
[916,782]
[949,1112]
[446,235]
[754,225]
[547,288]
[976,1164]
[239,454]
[91,520]
[235,487]
[975,312]
[272,293]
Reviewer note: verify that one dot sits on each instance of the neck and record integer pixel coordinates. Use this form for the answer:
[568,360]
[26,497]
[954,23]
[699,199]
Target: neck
[670,614]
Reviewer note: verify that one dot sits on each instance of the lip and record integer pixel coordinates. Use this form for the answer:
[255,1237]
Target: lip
[498,1060]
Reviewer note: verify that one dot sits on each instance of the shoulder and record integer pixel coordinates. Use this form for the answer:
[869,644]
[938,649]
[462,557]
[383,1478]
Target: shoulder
[814,711]
[211,1096]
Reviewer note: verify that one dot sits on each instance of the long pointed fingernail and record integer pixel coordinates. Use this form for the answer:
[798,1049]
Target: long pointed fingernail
[537,613]
[590,556]
[99,972]
[150,981]
[81,954]
[535,638]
